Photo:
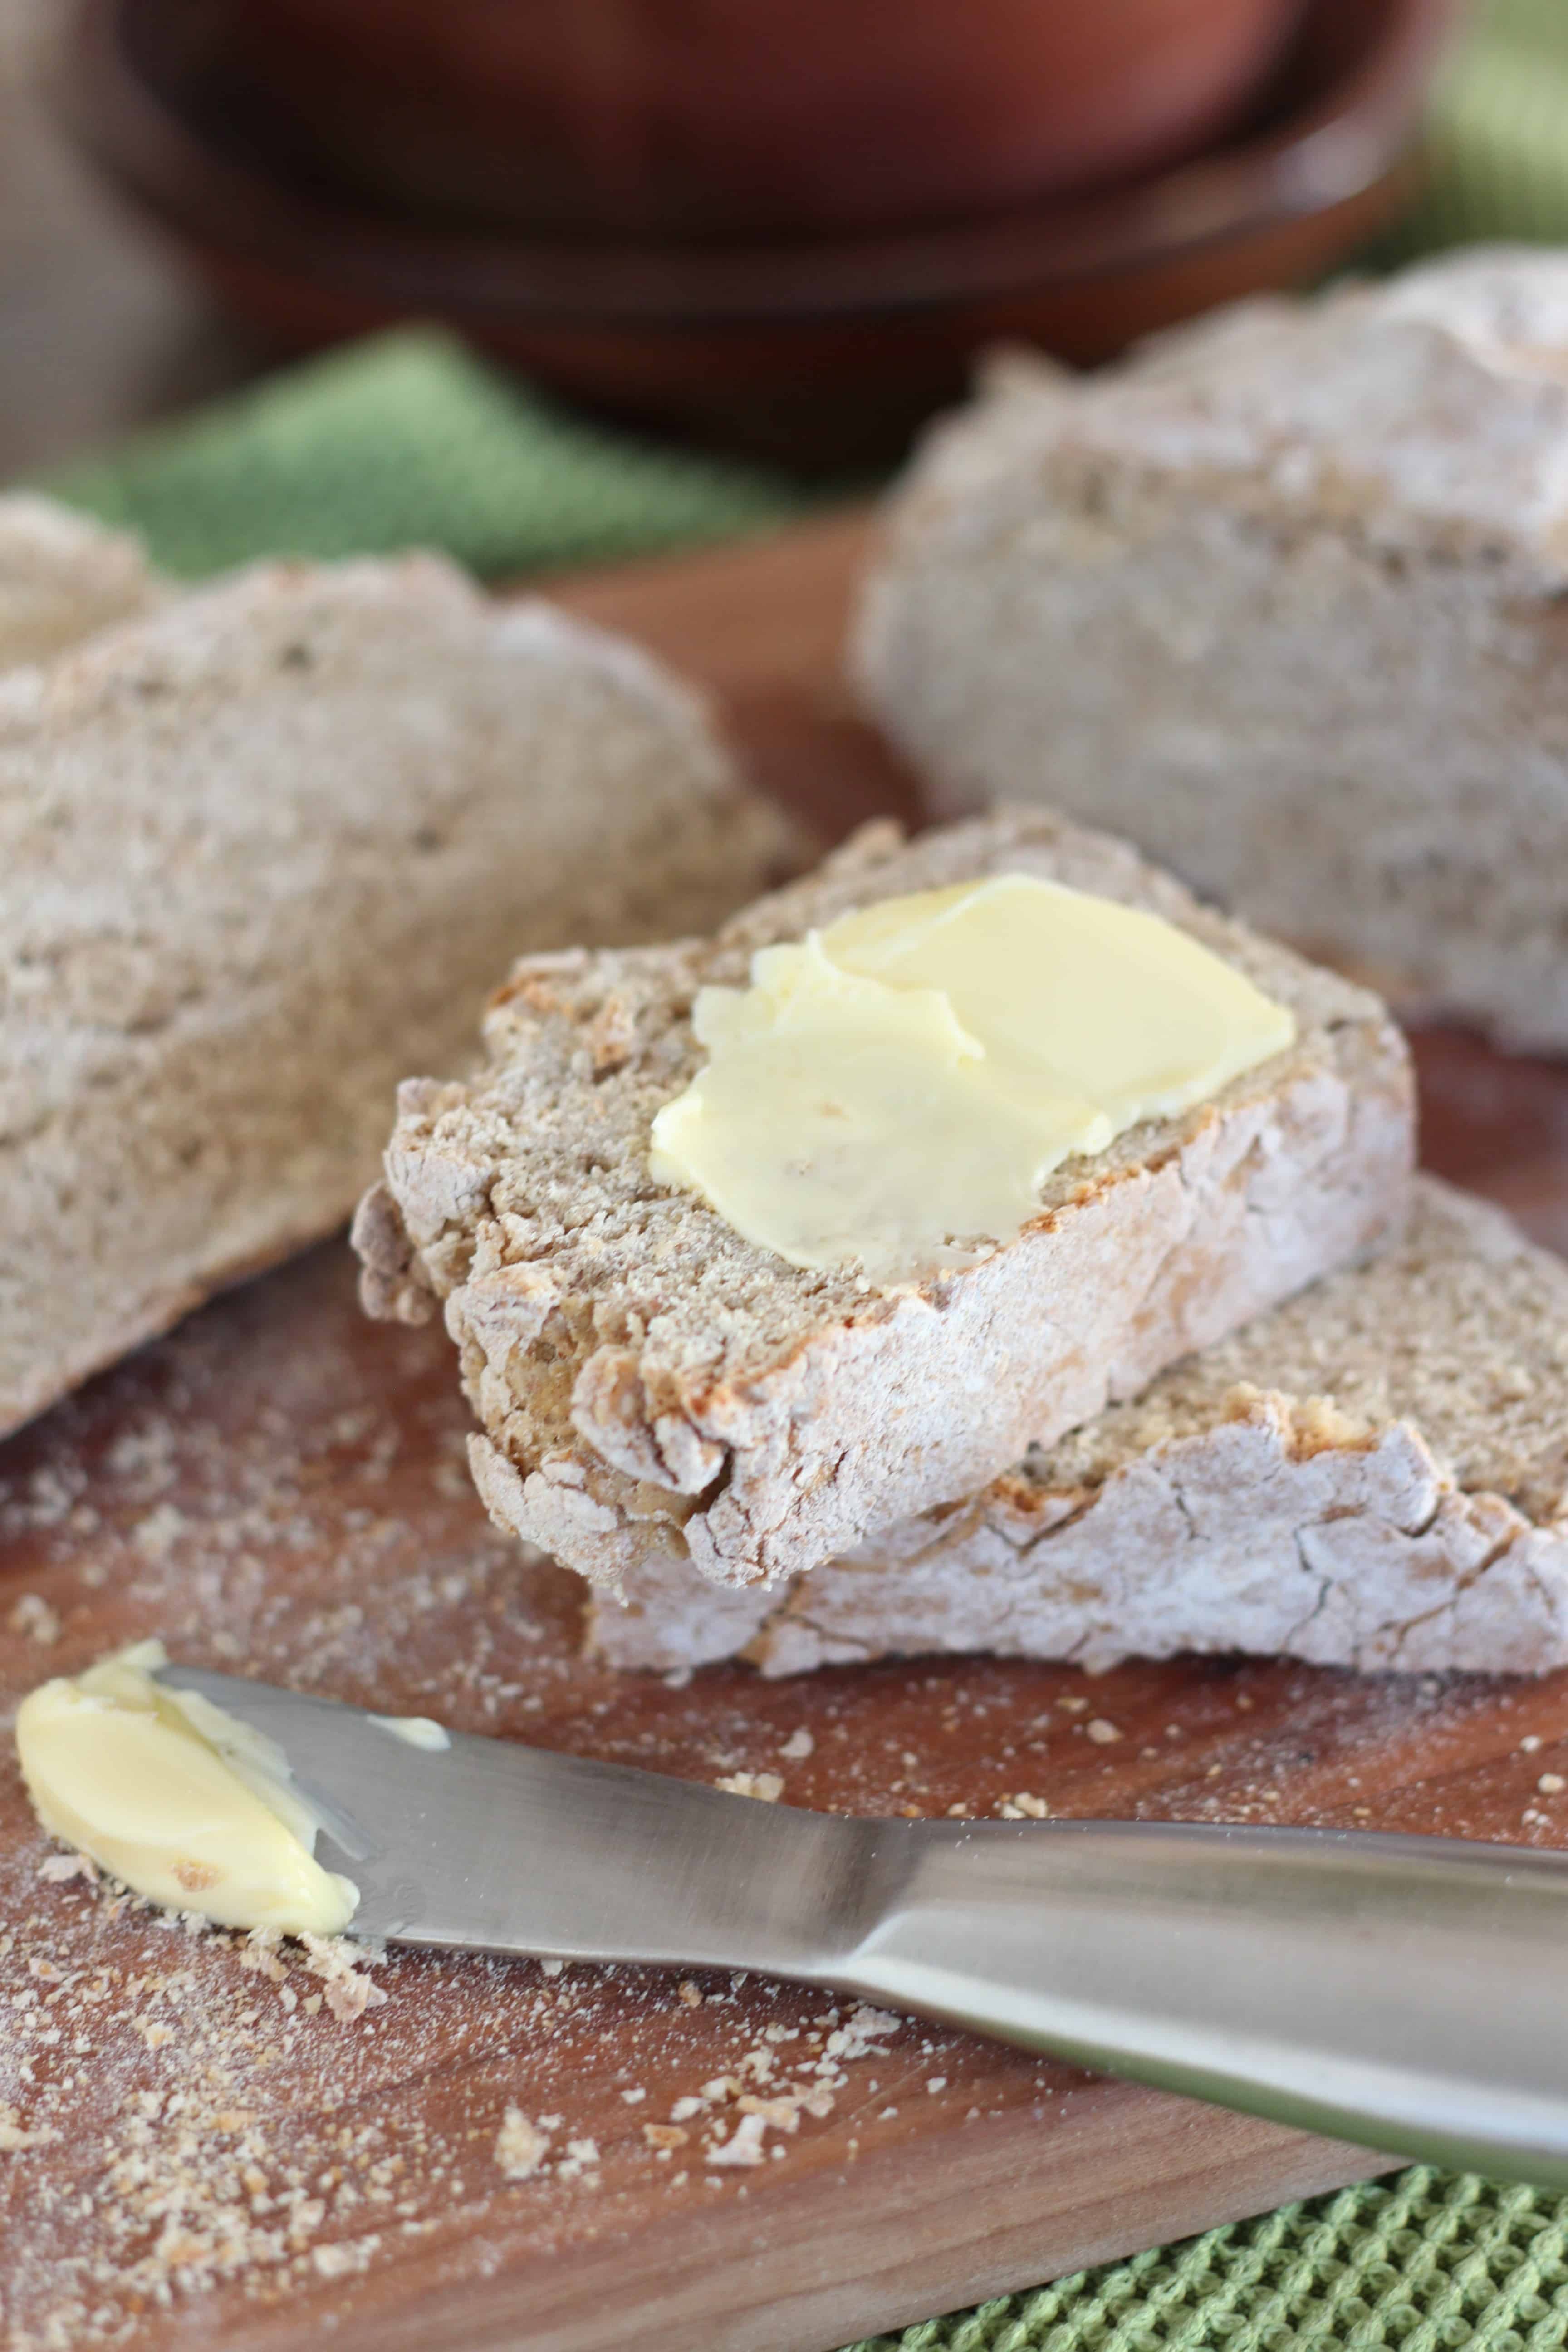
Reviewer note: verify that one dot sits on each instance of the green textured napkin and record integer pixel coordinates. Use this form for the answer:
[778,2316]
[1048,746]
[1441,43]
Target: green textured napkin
[1497,133]
[1428,2261]
[408,439]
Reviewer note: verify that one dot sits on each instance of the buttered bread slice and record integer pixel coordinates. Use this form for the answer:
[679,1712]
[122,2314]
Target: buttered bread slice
[1374,1475]
[655,1385]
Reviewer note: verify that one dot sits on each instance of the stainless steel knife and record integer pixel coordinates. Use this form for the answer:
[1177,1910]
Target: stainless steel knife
[1410,1993]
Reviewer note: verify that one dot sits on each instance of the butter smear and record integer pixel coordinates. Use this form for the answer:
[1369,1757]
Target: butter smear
[186,1804]
[894,1090]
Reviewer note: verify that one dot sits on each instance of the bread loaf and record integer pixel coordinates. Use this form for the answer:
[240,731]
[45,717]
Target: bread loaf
[61,577]
[1284,600]
[652,1385]
[259,855]
[1374,1475]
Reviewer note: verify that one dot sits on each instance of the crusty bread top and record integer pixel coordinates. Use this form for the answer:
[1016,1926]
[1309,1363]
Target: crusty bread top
[159,788]
[540,1162]
[62,576]
[1461,1329]
[1428,414]
[261,854]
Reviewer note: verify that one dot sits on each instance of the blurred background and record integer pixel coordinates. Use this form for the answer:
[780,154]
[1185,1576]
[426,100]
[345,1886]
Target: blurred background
[597,276]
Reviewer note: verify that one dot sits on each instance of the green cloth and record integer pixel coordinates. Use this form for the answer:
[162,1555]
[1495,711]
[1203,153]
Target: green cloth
[407,439]
[1428,2261]
[1497,133]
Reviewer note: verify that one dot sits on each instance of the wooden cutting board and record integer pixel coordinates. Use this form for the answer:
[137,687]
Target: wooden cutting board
[196,2150]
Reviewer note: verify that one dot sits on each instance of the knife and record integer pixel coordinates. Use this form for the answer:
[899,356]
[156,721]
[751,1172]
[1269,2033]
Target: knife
[1409,1993]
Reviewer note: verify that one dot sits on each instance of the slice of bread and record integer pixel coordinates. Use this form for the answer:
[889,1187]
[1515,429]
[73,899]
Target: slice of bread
[650,1383]
[1375,1475]
[259,854]
[61,577]
[1283,599]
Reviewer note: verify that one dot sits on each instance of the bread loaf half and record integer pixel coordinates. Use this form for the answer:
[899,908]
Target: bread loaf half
[261,854]
[1375,1475]
[1284,601]
[61,577]
[652,1385]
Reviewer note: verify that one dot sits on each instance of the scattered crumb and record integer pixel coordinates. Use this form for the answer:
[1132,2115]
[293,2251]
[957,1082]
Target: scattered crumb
[1073,1704]
[14,2138]
[744,2145]
[522,2147]
[937,2082]
[57,1868]
[32,1615]
[1552,1784]
[766,1787]
[578,2163]
[1530,1743]
[339,1963]
[798,1747]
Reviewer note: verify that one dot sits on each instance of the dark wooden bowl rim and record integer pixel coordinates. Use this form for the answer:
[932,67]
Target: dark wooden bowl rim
[1336,145]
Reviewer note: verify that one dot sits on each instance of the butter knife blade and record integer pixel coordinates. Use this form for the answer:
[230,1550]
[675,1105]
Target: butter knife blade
[1404,1992]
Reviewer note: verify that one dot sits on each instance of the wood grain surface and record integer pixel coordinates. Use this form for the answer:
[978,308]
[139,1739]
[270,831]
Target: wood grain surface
[200,2141]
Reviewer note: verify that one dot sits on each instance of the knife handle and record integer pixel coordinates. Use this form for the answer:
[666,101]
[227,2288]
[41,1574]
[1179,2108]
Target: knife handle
[1408,1993]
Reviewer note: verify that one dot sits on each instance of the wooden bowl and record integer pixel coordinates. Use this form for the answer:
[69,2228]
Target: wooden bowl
[823,353]
[675,119]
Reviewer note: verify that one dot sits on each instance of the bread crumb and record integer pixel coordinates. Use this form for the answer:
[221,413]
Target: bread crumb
[798,1747]
[14,2138]
[1552,1784]
[937,2082]
[1073,1704]
[1530,1743]
[522,2147]
[339,1962]
[1100,1732]
[744,2145]
[57,1868]
[782,2113]
[766,1787]
[32,1615]
[666,2136]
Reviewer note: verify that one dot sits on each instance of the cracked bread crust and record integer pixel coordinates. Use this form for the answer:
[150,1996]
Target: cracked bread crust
[261,851]
[651,1384]
[1374,1475]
